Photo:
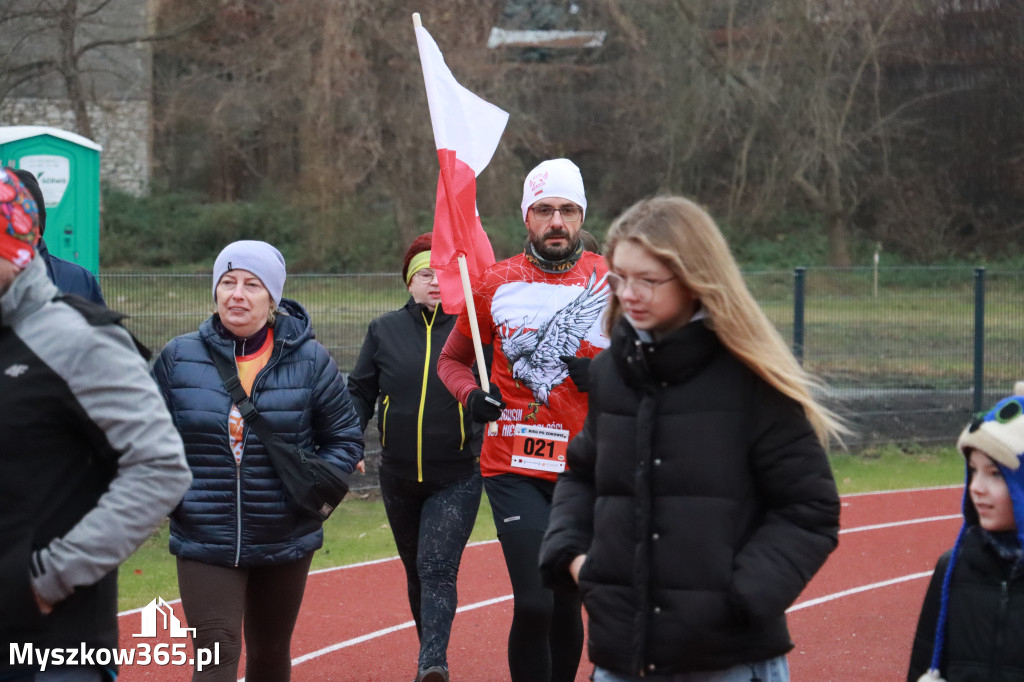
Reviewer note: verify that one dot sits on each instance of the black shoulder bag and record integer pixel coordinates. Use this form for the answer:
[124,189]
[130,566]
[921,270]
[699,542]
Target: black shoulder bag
[314,485]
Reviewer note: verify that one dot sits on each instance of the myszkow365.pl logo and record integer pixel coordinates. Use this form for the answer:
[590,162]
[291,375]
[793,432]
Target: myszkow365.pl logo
[141,654]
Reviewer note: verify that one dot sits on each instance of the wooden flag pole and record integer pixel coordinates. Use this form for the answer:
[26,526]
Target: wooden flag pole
[478,348]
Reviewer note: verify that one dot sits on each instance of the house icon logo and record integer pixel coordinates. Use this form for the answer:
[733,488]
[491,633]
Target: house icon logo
[169,620]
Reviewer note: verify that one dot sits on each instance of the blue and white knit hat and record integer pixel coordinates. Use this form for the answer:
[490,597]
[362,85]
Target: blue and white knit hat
[999,433]
[259,258]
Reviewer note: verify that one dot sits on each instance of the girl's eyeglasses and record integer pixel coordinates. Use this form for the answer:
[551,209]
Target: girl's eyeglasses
[643,289]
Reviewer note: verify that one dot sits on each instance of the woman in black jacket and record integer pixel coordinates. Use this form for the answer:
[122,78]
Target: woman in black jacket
[698,500]
[429,472]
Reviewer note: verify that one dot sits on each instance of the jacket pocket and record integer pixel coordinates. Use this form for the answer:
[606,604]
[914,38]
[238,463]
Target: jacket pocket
[17,602]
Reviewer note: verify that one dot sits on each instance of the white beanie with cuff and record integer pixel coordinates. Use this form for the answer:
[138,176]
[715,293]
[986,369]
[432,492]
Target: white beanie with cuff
[554,178]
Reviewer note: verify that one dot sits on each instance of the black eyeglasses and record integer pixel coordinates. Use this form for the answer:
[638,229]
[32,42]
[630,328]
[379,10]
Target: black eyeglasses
[570,213]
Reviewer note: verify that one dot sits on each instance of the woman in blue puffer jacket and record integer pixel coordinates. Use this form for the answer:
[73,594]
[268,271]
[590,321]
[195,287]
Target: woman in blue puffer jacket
[243,548]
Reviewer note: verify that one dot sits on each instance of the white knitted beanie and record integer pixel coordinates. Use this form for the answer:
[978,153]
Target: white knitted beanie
[554,178]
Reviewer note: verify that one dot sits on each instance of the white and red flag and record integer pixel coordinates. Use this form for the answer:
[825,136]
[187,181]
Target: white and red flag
[466,132]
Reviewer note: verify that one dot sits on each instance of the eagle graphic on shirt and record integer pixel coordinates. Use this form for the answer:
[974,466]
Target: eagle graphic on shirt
[533,354]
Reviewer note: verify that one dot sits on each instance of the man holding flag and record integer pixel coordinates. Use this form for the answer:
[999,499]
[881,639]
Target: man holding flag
[541,312]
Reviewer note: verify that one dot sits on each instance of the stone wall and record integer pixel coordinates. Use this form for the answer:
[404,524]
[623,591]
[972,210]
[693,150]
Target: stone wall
[121,128]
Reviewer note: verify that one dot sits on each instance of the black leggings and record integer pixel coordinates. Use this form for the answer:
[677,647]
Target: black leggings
[431,522]
[546,639]
[217,600]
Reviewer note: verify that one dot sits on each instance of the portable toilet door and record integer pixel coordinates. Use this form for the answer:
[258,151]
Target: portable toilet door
[67,167]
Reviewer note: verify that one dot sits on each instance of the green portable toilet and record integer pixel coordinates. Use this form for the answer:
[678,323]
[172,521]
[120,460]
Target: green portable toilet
[68,169]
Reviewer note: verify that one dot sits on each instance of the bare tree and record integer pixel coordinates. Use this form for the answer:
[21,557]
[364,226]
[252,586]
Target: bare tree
[762,107]
[77,50]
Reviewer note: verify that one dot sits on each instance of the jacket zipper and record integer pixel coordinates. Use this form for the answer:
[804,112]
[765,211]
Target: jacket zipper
[423,397]
[384,422]
[275,355]
[997,646]
[238,506]
[462,427]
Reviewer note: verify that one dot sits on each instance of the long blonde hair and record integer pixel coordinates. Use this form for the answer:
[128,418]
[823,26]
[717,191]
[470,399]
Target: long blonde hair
[686,239]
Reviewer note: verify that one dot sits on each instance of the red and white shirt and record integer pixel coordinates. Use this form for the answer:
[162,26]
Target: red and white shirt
[532,317]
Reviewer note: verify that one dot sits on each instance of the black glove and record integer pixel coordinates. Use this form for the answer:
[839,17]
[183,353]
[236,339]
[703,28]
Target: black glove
[485,407]
[579,371]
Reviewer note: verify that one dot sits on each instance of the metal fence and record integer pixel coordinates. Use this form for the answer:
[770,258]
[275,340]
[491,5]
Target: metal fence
[908,353]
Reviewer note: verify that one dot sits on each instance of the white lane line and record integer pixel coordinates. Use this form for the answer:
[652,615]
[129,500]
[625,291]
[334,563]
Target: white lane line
[895,524]
[863,588]
[387,631]
[490,602]
[384,561]
[330,569]
[128,613]
[903,490]
[489,542]
[470,607]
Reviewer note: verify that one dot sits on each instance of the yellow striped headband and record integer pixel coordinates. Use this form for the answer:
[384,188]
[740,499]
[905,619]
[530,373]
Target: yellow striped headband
[420,261]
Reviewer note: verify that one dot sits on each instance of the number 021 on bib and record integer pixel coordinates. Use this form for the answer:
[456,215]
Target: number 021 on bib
[539,448]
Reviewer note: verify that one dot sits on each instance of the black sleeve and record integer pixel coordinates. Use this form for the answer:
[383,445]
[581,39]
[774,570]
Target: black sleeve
[363,380]
[800,524]
[924,638]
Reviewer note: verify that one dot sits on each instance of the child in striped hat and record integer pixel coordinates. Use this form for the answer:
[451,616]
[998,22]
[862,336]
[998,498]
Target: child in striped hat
[971,625]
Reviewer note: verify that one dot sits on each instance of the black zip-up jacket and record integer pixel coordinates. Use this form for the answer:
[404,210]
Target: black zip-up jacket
[703,501]
[985,621]
[425,434]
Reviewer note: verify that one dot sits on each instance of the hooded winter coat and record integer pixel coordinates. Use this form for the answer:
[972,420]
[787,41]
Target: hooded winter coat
[238,514]
[703,501]
[985,624]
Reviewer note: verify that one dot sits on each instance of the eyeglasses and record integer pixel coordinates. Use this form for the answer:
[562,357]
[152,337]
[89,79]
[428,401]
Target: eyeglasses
[425,275]
[570,213]
[643,289]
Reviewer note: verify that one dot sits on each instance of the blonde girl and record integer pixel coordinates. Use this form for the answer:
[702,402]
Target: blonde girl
[698,500]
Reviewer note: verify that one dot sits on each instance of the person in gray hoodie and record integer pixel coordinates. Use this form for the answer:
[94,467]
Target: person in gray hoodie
[90,462]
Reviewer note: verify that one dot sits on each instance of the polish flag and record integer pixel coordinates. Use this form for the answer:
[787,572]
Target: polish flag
[466,132]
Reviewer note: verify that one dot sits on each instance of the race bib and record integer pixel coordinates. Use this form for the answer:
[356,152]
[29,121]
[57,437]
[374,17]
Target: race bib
[539,448]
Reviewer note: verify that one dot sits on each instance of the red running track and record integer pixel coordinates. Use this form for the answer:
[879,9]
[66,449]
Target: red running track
[853,623]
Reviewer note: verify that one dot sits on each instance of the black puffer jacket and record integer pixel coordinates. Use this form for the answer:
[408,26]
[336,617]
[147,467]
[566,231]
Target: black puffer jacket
[703,501]
[425,433]
[985,622]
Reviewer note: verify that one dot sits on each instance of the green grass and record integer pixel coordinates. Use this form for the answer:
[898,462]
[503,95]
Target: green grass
[358,530]
[894,468]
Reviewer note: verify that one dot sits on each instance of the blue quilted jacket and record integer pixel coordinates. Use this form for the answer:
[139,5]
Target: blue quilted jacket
[239,514]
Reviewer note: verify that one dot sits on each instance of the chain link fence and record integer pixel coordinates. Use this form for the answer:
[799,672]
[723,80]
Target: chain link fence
[908,354]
